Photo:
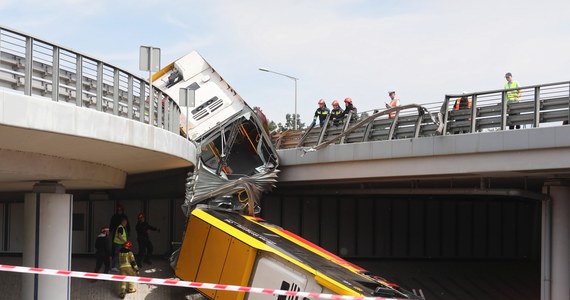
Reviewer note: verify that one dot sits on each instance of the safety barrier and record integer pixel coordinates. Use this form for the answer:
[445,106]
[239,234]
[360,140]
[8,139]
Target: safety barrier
[35,67]
[545,104]
[179,283]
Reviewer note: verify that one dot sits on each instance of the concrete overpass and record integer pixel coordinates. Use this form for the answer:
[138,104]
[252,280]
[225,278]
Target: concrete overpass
[441,190]
[85,128]
[536,153]
[79,148]
[71,122]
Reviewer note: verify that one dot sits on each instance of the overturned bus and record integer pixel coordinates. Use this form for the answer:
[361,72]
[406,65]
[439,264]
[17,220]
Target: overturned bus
[224,242]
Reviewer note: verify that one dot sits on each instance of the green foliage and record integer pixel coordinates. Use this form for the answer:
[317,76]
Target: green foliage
[272,126]
[289,122]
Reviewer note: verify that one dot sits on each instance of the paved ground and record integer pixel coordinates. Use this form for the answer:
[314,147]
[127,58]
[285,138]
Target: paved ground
[10,283]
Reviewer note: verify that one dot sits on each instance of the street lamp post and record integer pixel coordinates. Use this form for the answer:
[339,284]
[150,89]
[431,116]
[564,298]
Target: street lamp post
[295,79]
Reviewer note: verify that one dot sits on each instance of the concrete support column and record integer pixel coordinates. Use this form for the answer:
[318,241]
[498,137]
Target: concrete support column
[47,241]
[560,245]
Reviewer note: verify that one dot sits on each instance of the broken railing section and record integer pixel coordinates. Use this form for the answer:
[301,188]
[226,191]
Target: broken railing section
[236,164]
[242,194]
[365,126]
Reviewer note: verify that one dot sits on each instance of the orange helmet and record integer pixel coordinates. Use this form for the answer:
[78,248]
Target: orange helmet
[335,103]
[128,244]
[322,101]
[348,100]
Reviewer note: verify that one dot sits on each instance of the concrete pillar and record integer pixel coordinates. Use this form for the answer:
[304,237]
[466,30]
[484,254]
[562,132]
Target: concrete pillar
[560,245]
[47,241]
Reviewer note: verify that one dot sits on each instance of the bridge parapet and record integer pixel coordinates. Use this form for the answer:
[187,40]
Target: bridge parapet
[35,67]
[538,106]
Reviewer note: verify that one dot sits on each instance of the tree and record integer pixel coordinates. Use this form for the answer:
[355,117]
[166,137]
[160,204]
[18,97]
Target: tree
[272,126]
[289,122]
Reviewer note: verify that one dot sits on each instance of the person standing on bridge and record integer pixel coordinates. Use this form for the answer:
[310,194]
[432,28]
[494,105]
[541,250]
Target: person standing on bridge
[513,96]
[393,103]
[336,113]
[321,113]
[349,107]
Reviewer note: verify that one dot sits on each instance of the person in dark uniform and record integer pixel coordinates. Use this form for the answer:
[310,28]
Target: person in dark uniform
[145,245]
[349,107]
[321,113]
[102,251]
[336,113]
[117,218]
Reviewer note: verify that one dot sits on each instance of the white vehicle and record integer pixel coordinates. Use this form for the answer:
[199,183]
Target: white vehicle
[237,161]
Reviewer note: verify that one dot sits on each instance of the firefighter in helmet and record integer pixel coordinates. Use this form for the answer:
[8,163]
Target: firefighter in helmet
[127,266]
[336,113]
[321,113]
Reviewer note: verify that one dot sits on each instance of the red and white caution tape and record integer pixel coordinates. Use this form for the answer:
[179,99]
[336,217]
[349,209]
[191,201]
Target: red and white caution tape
[174,282]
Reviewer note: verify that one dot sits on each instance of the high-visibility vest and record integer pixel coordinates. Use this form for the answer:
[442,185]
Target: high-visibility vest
[125,259]
[116,239]
[512,95]
[395,102]
[457,105]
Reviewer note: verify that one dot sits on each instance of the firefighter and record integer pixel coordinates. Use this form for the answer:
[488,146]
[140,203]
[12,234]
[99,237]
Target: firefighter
[336,113]
[321,113]
[127,266]
[348,107]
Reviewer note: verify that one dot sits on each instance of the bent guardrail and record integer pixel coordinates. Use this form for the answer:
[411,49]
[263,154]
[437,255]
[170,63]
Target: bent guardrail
[538,105]
[36,67]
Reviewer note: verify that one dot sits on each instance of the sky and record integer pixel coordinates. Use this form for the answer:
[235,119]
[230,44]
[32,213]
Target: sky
[337,48]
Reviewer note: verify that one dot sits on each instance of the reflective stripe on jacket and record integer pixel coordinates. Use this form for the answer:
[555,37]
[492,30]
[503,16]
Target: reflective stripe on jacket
[125,259]
[321,114]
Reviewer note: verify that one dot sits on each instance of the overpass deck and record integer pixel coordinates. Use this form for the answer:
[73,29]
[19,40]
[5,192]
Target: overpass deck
[75,119]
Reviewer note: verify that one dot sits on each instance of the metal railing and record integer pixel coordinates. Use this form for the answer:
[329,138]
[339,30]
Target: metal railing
[35,67]
[538,105]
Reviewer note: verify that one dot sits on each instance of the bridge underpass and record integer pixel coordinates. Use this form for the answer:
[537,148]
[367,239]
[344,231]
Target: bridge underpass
[450,247]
